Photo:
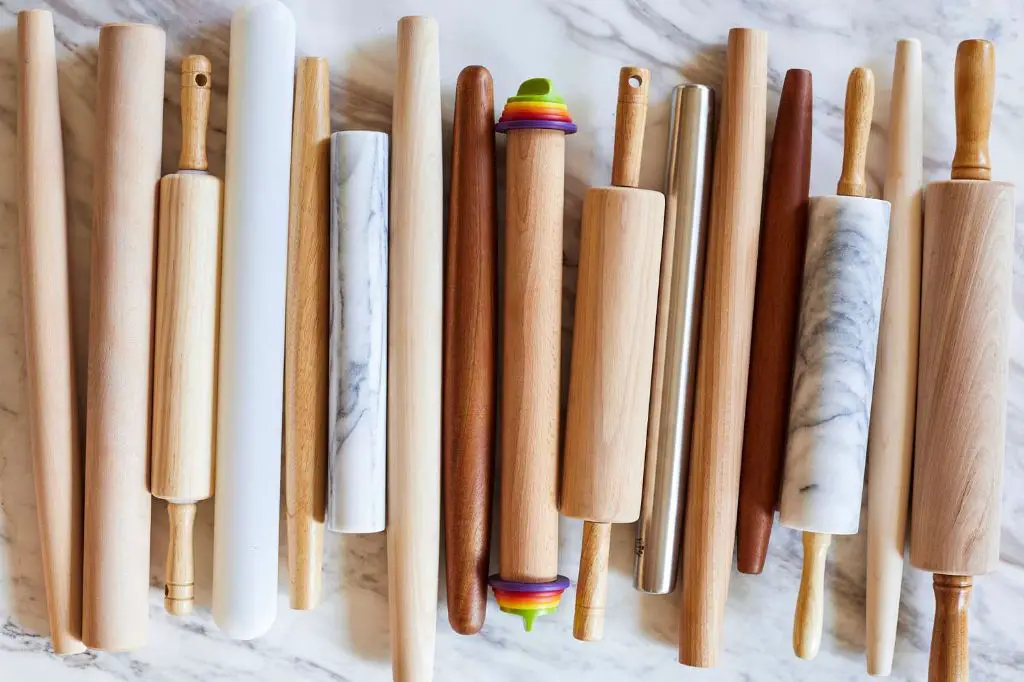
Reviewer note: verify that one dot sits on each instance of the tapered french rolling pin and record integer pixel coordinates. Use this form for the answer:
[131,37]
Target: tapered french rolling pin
[415,321]
[961,386]
[673,377]
[776,308]
[358,366]
[612,353]
[840,309]
[307,334]
[470,349]
[129,135]
[729,281]
[49,356]
[254,267]
[185,357]
[891,440]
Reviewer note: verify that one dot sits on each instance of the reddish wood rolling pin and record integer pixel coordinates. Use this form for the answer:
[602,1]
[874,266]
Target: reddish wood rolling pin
[966,276]
[470,346]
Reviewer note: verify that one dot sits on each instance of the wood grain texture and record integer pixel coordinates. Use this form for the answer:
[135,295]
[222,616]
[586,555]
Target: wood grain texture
[196,88]
[776,309]
[470,352]
[179,595]
[531,351]
[860,103]
[415,323]
[810,601]
[592,586]
[949,661]
[975,77]
[129,135]
[729,285]
[49,357]
[630,120]
[306,334]
[891,436]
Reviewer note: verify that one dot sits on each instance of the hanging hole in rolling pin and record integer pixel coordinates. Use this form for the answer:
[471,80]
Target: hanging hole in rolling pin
[201,80]
[635,81]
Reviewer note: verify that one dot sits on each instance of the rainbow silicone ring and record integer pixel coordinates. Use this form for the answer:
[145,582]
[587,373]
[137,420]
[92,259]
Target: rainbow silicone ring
[529,601]
[536,106]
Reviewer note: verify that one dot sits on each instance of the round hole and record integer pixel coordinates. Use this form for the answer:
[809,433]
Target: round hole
[201,80]
[634,81]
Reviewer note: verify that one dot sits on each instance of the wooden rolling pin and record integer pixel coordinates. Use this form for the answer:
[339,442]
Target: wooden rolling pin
[470,348]
[613,353]
[129,134]
[185,356]
[49,357]
[306,334]
[776,309]
[729,280]
[833,376]
[891,440]
[414,352]
[961,411]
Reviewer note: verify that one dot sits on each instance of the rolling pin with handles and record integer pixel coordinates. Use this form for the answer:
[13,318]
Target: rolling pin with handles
[961,411]
[613,353]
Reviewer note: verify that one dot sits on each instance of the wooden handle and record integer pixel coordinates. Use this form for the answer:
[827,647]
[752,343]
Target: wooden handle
[195,111]
[179,592]
[592,586]
[630,118]
[860,102]
[810,603]
[949,661]
[974,92]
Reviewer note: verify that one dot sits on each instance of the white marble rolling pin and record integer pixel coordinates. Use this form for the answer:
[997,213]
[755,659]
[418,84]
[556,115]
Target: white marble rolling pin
[840,306]
[358,364]
[251,352]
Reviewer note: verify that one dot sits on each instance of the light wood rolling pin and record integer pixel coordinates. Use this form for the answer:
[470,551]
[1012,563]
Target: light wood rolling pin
[961,410]
[129,137]
[891,440]
[729,280]
[840,310]
[185,356]
[776,309]
[306,334]
[49,360]
[416,292]
[470,350]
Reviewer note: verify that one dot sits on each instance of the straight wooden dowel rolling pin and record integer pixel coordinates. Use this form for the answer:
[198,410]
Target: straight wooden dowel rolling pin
[49,356]
[833,376]
[961,391]
[613,353]
[185,360]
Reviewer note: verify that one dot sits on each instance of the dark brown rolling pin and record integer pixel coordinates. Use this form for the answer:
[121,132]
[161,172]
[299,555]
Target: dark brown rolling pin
[470,337]
[776,308]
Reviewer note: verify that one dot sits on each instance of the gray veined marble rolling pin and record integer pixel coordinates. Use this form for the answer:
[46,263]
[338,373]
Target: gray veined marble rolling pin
[357,409]
[833,375]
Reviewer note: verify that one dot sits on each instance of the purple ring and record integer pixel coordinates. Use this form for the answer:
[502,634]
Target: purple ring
[505,126]
[499,583]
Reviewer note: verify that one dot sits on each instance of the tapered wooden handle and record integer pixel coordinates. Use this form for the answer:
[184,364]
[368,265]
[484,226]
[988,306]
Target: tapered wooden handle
[974,91]
[179,594]
[860,101]
[195,111]
[630,118]
[810,603]
[592,587]
[948,661]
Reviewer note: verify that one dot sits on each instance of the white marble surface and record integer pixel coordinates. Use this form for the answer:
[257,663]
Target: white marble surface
[580,44]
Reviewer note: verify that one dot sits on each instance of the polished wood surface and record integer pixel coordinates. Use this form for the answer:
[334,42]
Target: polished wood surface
[948,661]
[196,89]
[592,586]
[630,120]
[860,103]
[810,601]
[974,95]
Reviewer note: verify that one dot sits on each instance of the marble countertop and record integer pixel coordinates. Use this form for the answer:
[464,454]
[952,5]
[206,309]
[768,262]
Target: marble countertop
[580,44]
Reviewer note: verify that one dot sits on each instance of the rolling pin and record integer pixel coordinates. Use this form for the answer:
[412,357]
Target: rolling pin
[470,351]
[709,529]
[961,411]
[129,134]
[185,356]
[840,307]
[358,364]
[254,268]
[307,334]
[49,358]
[612,353]
[776,308]
[414,352]
[673,377]
[535,121]
[891,439]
